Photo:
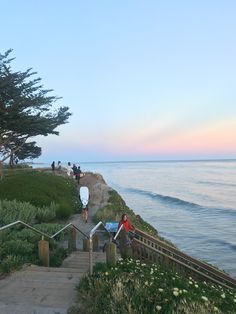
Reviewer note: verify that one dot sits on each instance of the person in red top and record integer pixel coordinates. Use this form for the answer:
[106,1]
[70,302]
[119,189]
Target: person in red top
[125,222]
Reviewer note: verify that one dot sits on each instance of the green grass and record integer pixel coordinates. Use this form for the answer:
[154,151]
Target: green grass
[41,189]
[134,287]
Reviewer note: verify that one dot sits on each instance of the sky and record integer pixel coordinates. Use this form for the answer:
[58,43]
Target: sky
[144,80]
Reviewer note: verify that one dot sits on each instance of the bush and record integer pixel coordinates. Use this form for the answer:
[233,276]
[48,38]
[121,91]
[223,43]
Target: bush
[134,287]
[11,262]
[46,213]
[18,247]
[11,211]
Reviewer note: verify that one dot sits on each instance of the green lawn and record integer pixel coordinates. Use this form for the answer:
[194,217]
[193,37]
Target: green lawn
[40,189]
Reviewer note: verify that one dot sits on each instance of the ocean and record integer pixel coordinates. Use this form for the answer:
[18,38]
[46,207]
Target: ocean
[191,203]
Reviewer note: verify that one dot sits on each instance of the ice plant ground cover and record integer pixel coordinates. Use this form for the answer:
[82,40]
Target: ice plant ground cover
[134,287]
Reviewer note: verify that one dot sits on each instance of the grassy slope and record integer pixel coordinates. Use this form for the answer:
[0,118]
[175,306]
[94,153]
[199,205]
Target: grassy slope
[31,195]
[40,189]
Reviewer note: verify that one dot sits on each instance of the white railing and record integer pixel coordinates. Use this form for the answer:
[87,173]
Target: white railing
[43,234]
[119,230]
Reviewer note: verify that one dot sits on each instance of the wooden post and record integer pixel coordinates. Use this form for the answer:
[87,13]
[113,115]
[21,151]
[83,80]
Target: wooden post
[72,240]
[111,253]
[125,247]
[43,247]
[86,245]
[95,243]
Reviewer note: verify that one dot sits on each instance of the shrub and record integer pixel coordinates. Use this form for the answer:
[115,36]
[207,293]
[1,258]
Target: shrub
[134,287]
[18,247]
[11,262]
[46,213]
[11,211]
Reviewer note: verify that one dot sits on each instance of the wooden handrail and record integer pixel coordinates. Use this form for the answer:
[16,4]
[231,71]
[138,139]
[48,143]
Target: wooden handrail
[171,253]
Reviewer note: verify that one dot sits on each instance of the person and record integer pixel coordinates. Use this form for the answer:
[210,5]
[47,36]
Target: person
[125,236]
[74,168]
[69,169]
[53,166]
[127,226]
[78,174]
[59,165]
[85,213]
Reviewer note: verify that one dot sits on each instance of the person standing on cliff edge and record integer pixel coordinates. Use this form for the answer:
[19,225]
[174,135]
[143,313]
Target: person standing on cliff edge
[53,166]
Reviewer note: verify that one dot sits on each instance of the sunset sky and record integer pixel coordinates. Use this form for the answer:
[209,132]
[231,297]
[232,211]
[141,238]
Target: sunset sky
[145,80]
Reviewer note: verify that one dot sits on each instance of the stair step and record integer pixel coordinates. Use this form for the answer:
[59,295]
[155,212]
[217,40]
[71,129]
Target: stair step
[45,290]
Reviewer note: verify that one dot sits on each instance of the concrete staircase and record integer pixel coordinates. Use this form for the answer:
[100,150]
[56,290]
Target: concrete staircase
[41,290]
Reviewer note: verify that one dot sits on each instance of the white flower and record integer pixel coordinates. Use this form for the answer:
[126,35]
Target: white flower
[185,291]
[160,289]
[175,289]
[204,298]
[234,300]
[119,284]
[196,286]
[146,283]
[190,282]
[106,273]
[216,309]
[143,264]
[175,293]
[158,307]
[223,295]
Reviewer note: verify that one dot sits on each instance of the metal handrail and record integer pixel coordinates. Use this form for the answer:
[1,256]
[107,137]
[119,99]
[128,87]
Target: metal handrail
[92,232]
[96,227]
[43,234]
[117,233]
[26,225]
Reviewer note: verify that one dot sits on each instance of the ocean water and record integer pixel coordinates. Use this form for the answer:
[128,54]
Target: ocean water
[191,203]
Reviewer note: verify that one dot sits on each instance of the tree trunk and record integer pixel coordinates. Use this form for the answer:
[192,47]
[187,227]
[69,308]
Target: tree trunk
[1,170]
[11,160]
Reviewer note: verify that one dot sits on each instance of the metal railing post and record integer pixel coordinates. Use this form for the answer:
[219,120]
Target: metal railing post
[92,232]
[90,255]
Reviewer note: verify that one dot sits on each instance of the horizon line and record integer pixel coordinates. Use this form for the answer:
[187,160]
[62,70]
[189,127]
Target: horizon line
[137,161]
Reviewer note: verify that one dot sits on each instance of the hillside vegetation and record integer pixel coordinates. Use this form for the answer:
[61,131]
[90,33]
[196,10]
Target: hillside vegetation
[40,189]
[41,200]
[134,287]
